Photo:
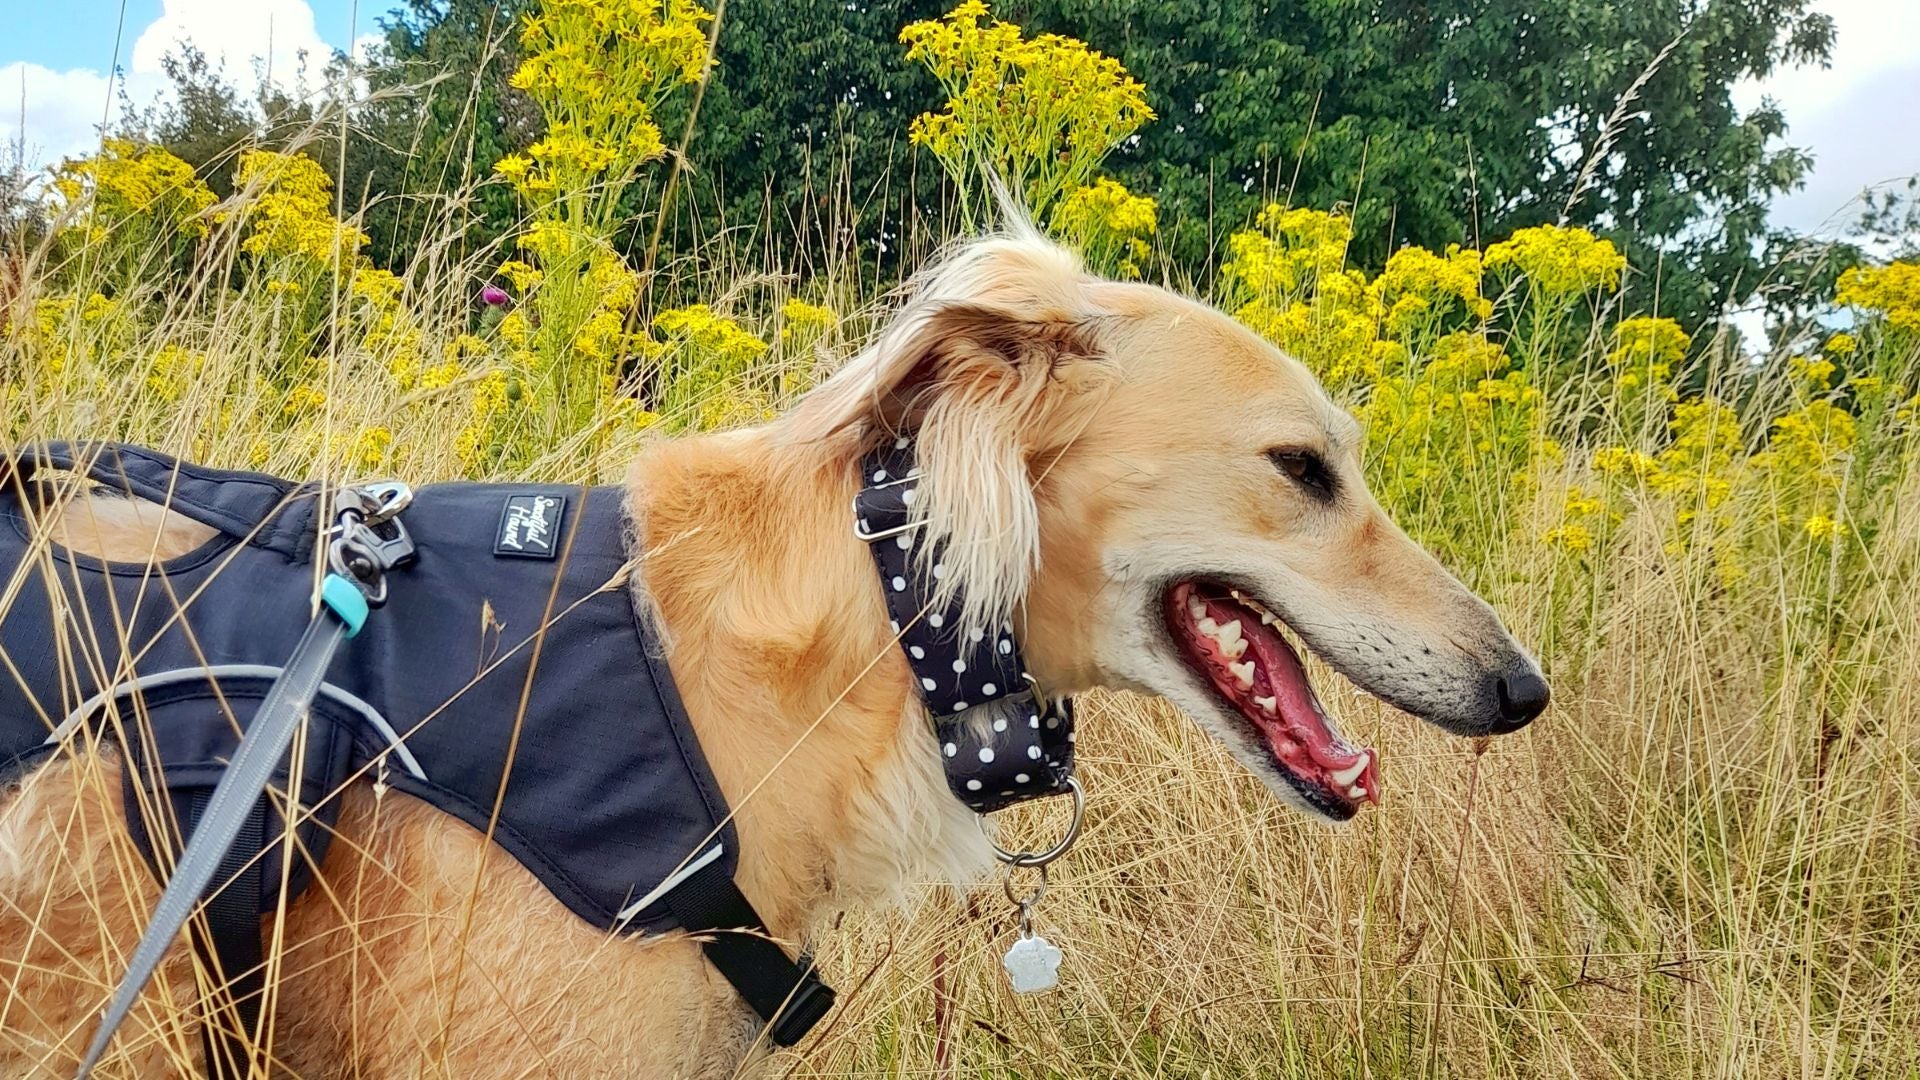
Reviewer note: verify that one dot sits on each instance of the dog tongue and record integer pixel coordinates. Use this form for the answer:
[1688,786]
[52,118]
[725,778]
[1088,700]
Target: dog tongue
[1302,718]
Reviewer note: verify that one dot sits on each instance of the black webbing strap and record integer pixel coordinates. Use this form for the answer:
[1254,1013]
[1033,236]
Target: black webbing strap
[229,947]
[787,994]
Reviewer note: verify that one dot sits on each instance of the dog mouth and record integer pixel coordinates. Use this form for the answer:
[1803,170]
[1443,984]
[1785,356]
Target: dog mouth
[1240,649]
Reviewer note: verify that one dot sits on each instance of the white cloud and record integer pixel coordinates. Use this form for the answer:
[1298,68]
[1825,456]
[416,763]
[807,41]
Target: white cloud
[274,39]
[245,39]
[1872,36]
[50,114]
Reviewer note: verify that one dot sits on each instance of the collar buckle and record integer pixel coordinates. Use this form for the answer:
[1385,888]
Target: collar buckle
[863,530]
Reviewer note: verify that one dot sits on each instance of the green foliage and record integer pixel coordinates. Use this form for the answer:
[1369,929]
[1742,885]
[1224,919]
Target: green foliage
[1459,121]
[805,120]
[439,111]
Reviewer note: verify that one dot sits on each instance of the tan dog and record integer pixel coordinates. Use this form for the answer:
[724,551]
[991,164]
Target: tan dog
[1123,472]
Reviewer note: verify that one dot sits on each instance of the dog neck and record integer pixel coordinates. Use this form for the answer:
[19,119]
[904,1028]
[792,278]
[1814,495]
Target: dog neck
[778,640]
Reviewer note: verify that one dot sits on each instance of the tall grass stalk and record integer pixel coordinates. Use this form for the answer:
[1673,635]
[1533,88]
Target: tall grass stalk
[1704,862]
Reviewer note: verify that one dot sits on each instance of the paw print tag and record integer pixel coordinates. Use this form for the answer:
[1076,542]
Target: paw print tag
[1033,964]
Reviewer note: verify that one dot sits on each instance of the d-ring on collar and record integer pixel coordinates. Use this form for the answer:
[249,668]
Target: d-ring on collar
[1002,741]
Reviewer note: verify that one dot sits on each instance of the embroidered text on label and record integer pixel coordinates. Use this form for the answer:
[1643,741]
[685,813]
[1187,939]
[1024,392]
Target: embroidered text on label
[529,525]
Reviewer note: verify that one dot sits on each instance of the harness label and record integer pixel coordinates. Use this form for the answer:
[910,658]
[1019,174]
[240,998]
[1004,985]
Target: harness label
[530,526]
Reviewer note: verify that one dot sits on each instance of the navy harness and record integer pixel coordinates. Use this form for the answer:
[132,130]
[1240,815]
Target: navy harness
[602,791]
[604,794]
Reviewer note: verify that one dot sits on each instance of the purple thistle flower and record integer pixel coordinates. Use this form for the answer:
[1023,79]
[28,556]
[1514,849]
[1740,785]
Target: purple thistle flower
[494,296]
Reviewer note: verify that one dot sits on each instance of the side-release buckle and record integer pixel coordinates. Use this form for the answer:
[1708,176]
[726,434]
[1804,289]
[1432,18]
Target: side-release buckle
[810,1002]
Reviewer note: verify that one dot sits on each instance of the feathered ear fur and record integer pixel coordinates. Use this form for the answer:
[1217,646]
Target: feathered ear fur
[971,368]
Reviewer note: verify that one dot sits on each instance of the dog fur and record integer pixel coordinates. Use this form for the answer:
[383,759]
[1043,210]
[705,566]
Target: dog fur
[1084,444]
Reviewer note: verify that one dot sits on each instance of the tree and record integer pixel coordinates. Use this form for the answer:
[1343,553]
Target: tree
[1459,121]
[809,103]
[436,114]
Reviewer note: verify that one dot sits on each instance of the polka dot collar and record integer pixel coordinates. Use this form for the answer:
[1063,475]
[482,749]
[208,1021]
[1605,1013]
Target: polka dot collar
[1000,742]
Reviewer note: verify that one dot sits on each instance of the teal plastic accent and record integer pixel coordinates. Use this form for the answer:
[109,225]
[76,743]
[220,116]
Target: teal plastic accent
[345,599]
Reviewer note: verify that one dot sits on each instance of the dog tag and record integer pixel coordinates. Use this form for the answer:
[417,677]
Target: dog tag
[1033,964]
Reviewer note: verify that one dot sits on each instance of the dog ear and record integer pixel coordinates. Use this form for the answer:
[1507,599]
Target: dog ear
[984,355]
[973,383]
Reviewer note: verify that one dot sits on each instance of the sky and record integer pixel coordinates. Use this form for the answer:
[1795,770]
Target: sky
[1860,118]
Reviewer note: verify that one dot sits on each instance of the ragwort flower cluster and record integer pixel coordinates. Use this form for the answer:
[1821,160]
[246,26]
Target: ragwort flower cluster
[1040,112]
[1109,225]
[599,70]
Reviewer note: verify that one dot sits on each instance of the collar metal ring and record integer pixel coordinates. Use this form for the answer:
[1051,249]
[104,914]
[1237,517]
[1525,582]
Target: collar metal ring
[1042,858]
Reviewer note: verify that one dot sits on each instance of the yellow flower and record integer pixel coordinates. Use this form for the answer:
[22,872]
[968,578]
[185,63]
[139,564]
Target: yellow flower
[1560,261]
[1891,291]
[705,358]
[440,376]
[802,324]
[1648,347]
[380,288]
[1109,224]
[289,211]
[1823,527]
[524,276]
[1816,373]
[304,398]
[1575,539]
[1040,112]
[599,69]
[370,447]
[1623,462]
[127,186]
[1579,504]
[465,347]
[1418,286]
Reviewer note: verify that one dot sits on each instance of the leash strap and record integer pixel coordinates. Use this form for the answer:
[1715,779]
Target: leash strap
[365,543]
[787,994]
[1001,740]
[227,812]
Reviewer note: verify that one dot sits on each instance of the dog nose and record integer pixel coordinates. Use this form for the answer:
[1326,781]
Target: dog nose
[1522,697]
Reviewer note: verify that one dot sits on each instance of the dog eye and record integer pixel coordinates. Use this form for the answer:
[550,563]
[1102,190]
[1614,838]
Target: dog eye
[1307,469]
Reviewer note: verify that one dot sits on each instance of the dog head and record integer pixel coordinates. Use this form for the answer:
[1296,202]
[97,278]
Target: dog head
[1167,503]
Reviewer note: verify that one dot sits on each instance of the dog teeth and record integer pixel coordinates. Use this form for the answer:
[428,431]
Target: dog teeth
[1196,608]
[1352,772]
[1209,627]
[1271,704]
[1267,619]
[1232,645]
[1356,792]
[1242,672]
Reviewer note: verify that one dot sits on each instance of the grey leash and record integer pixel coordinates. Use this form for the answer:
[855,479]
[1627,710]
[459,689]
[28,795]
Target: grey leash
[365,542]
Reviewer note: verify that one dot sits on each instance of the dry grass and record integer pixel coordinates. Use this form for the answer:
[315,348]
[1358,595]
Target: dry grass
[1704,861]
[1651,881]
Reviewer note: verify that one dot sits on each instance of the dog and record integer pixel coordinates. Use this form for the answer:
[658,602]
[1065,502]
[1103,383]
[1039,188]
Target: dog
[1154,498]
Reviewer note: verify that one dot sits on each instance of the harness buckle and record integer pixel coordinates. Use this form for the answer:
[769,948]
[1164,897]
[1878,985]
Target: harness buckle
[861,531]
[389,497]
[810,1001]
